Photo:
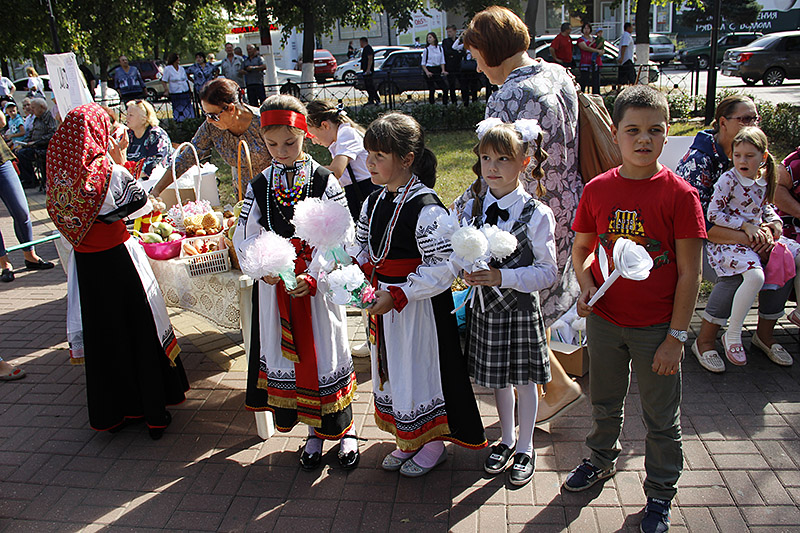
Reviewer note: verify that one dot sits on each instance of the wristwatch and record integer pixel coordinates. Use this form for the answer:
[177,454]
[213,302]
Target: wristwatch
[682,336]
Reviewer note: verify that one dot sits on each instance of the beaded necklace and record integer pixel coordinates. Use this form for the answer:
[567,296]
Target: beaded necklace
[383,250]
[303,171]
[294,193]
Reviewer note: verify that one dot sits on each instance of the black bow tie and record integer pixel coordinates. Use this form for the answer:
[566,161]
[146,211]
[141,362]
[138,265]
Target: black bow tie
[493,212]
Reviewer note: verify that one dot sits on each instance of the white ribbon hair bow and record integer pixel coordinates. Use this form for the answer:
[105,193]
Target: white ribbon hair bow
[528,128]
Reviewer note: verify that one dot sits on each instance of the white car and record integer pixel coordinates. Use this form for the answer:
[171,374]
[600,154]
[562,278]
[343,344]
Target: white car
[112,96]
[347,71]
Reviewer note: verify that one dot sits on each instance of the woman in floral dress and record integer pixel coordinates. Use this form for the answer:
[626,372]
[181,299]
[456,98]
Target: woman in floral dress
[534,89]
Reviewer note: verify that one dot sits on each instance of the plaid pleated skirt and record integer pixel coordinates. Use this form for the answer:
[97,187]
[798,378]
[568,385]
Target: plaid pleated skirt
[507,348]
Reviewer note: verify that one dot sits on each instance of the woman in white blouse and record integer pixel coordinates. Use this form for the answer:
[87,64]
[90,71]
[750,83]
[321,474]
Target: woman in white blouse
[434,69]
[176,86]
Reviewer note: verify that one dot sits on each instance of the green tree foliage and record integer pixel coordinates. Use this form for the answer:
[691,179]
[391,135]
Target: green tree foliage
[102,30]
[25,30]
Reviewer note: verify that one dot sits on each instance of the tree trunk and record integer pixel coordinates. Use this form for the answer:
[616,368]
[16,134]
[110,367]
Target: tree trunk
[530,17]
[643,38]
[309,40]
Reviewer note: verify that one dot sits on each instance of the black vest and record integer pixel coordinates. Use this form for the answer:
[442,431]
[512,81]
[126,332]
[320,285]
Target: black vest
[404,242]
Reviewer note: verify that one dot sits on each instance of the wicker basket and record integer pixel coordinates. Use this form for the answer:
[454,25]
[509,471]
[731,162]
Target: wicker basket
[209,262]
[232,254]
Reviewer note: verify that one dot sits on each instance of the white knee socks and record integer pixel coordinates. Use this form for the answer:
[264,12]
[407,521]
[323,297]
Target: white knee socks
[752,281]
[527,405]
[504,398]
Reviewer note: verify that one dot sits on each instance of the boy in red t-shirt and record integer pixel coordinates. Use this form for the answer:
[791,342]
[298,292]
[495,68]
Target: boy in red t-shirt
[638,323]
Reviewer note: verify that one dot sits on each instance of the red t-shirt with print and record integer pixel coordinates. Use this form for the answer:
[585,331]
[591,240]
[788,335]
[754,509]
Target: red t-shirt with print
[654,213]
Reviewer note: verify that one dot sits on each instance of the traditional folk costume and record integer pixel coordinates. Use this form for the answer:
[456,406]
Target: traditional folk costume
[130,353]
[420,382]
[506,342]
[300,367]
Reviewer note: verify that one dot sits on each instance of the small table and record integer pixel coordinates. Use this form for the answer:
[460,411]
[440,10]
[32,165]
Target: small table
[223,298]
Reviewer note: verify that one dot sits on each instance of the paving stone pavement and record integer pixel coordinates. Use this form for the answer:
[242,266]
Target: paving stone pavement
[212,472]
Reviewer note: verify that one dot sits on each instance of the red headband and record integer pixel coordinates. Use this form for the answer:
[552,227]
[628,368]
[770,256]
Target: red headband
[284,117]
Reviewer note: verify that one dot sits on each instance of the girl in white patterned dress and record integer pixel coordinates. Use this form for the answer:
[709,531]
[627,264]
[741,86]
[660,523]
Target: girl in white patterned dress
[741,201]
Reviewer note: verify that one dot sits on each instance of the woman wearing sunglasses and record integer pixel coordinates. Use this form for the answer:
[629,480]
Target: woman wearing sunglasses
[708,158]
[228,121]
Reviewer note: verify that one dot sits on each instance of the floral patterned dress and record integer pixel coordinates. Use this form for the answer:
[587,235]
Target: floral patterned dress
[546,92]
[737,200]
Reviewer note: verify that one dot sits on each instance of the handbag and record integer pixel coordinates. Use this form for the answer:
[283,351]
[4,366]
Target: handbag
[597,151]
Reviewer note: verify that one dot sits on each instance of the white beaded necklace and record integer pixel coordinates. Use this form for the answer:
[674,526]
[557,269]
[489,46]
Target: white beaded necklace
[383,250]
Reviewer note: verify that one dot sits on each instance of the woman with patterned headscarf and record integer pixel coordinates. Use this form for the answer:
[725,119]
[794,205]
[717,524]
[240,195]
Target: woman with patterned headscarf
[131,354]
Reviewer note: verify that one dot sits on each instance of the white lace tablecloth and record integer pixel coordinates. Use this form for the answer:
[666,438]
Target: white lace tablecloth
[217,297]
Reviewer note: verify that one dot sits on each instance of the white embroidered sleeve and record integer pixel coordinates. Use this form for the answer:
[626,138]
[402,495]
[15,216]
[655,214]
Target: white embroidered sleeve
[433,276]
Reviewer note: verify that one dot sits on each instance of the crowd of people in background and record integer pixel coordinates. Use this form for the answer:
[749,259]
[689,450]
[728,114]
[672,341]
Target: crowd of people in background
[711,216]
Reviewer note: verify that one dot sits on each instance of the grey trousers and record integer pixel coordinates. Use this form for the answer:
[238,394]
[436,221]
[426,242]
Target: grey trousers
[613,350]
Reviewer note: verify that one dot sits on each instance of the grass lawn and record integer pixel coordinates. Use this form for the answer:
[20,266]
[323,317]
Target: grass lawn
[453,151]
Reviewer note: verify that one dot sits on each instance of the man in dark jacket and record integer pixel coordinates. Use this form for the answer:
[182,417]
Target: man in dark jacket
[452,61]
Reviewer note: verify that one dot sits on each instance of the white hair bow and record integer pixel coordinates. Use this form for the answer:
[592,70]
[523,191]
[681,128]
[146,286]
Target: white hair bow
[528,128]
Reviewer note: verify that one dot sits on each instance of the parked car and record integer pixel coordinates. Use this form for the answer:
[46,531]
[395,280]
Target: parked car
[662,49]
[347,71]
[21,84]
[400,72]
[699,56]
[151,70]
[324,64]
[610,68]
[771,59]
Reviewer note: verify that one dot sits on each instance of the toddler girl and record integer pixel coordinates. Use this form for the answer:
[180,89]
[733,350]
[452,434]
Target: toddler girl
[506,342]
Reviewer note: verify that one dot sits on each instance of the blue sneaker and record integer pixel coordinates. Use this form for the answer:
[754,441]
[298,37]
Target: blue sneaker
[585,475]
[656,516]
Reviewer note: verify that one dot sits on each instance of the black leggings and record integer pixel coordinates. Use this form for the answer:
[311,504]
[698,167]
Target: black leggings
[437,80]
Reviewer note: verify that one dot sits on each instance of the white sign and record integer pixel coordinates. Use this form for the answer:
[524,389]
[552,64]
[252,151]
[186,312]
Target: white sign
[66,81]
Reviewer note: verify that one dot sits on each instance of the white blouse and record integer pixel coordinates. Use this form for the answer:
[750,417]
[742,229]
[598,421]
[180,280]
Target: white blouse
[433,56]
[541,234]
[350,143]
[176,80]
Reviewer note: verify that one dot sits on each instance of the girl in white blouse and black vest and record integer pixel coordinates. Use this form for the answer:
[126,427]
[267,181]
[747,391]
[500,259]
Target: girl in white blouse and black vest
[433,67]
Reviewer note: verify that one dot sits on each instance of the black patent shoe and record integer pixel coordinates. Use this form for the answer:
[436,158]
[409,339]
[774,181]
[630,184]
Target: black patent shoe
[498,459]
[158,432]
[349,460]
[310,461]
[522,470]
[41,264]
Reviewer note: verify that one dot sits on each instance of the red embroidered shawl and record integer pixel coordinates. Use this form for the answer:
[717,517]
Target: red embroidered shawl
[78,171]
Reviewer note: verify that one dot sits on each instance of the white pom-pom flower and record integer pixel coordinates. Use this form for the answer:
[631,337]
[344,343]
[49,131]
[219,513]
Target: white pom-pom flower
[269,254]
[349,278]
[469,244]
[323,225]
[501,242]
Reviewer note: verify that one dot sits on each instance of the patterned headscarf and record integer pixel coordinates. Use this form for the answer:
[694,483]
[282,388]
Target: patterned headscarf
[78,171]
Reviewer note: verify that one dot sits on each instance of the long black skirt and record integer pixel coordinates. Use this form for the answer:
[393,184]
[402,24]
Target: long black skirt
[334,425]
[128,374]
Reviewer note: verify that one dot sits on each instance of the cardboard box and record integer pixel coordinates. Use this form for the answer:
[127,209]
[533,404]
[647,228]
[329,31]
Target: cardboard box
[169,197]
[574,359]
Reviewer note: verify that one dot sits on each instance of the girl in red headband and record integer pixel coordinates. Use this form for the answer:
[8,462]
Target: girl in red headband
[317,386]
